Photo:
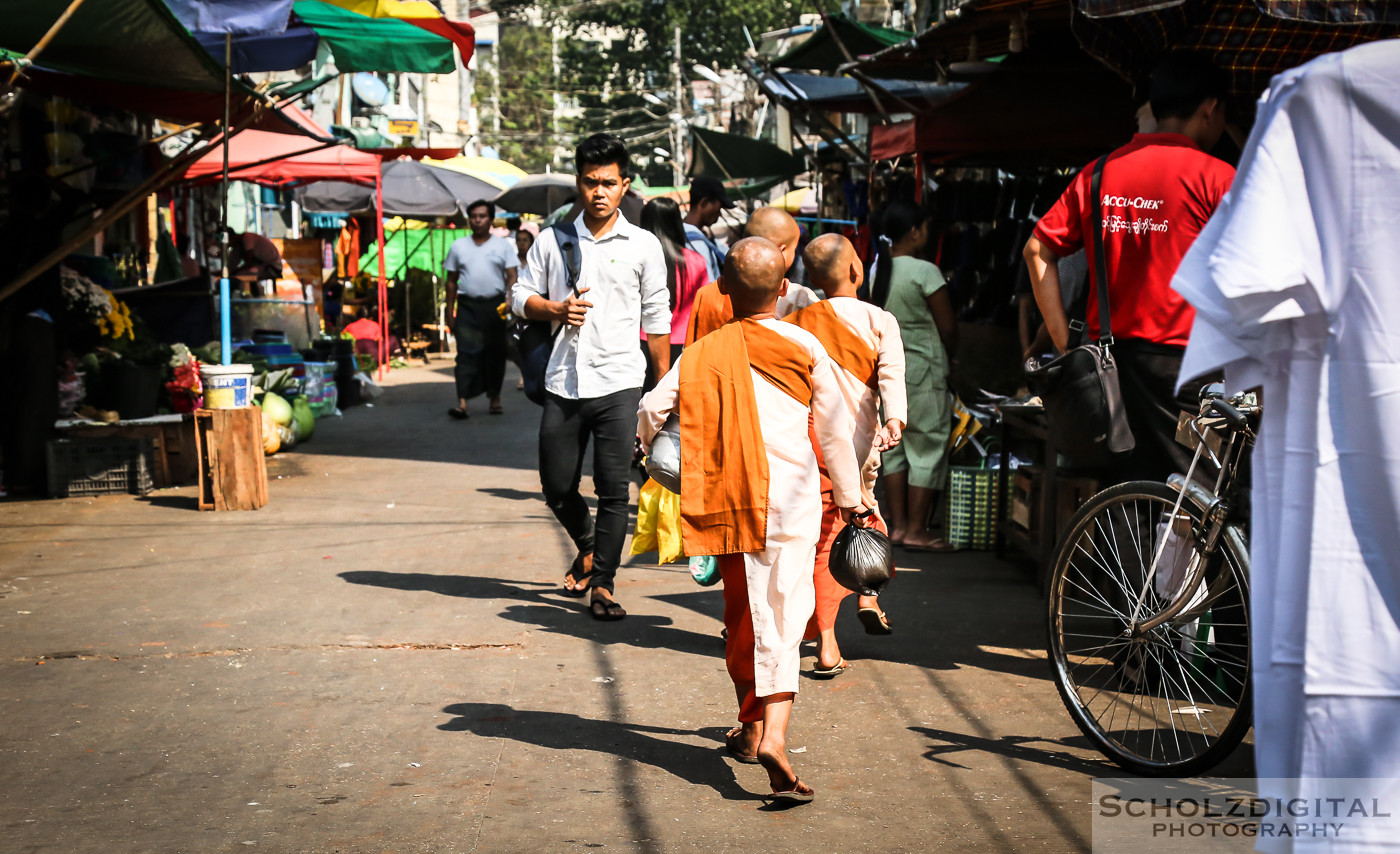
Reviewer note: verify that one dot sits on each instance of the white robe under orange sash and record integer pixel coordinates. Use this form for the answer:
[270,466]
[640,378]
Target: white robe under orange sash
[869,370]
[779,574]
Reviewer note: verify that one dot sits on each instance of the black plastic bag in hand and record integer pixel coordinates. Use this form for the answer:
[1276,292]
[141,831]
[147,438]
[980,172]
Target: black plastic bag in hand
[862,560]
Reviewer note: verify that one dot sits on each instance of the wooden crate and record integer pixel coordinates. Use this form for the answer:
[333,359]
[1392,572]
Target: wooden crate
[232,474]
[1070,495]
[174,458]
[1025,498]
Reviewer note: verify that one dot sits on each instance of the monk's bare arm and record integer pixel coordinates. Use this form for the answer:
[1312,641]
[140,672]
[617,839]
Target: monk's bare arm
[834,426]
[657,405]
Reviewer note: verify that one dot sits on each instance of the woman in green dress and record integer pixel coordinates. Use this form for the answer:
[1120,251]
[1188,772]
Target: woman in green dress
[914,291]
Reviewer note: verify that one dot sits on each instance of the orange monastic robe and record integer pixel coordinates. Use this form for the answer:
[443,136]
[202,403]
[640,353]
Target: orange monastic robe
[709,312]
[749,492]
[712,309]
[864,343]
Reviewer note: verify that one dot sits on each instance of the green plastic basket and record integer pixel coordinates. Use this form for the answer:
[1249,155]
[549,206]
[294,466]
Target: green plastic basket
[972,507]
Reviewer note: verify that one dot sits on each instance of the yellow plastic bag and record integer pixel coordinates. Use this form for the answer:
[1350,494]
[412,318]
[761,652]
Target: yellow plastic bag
[658,523]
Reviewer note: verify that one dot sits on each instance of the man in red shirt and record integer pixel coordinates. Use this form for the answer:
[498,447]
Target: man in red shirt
[1157,193]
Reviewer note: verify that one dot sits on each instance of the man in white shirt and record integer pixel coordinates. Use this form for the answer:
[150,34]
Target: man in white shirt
[707,198]
[593,381]
[481,268]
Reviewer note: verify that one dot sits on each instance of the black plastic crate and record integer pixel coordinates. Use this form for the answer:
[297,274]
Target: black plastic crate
[99,467]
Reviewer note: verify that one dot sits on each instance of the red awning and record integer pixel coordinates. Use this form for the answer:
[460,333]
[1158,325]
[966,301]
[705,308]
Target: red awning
[275,160]
[415,153]
[1054,114]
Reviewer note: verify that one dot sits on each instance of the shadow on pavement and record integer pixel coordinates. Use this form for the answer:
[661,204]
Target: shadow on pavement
[512,494]
[551,613]
[698,766]
[1017,747]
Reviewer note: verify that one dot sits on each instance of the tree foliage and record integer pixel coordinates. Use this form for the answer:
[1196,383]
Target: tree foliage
[612,51]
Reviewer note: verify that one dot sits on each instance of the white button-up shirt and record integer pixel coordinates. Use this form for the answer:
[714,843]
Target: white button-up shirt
[625,273]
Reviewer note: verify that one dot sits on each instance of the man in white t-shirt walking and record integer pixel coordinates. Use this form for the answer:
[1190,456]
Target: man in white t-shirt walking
[481,268]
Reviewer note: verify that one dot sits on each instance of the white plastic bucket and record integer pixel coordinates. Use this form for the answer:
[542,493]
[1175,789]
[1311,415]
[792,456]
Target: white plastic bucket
[227,386]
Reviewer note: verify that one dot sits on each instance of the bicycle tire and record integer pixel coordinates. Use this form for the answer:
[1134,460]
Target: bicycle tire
[1210,682]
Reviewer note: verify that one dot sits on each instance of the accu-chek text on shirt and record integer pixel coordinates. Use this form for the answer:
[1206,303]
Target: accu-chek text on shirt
[1158,192]
[625,273]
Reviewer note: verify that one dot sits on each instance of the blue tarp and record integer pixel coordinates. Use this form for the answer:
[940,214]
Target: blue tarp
[240,17]
[292,48]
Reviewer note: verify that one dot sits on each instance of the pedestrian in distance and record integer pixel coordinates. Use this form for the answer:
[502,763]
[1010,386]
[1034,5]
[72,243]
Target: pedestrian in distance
[1157,193]
[751,496]
[480,268]
[707,198]
[867,354]
[685,268]
[594,376]
[914,291]
[523,241]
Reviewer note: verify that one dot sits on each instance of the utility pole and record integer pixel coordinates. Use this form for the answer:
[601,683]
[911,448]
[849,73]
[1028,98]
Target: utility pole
[677,115]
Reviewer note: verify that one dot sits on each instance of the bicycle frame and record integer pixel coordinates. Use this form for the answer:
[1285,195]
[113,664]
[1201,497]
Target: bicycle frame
[1216,508]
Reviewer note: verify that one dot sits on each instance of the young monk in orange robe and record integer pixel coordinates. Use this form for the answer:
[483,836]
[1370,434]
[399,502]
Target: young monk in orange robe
[751,496]
[712,309]
[863,341]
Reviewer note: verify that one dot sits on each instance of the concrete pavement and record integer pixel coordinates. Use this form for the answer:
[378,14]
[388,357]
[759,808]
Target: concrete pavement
[380,660]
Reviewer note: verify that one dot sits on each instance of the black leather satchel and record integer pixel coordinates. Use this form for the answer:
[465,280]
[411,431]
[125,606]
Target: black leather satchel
[1080,389]
[534,339]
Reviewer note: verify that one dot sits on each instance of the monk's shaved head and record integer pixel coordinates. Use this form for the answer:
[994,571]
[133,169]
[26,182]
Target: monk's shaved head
[753,276]
[833,265]
[778,226]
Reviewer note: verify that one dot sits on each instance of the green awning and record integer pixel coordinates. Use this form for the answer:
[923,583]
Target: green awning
[413,248]
[820,51]
[376,44]
[128,41]
[360,137]
[729,157]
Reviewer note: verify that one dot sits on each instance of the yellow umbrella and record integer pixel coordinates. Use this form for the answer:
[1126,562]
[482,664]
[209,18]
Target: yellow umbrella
[797,201]
[497,173]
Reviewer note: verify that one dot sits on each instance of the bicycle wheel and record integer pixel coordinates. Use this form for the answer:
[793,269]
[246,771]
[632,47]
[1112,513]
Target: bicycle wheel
[1173,700]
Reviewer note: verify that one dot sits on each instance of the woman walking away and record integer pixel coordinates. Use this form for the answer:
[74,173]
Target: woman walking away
[913,290]
[685,268]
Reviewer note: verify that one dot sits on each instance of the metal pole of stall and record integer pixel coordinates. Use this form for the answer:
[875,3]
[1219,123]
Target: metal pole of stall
[225,321]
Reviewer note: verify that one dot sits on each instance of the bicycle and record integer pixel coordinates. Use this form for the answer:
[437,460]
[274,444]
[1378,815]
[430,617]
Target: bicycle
[1149,607]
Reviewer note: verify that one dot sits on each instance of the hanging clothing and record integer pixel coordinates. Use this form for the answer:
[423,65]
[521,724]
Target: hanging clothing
[1293,285]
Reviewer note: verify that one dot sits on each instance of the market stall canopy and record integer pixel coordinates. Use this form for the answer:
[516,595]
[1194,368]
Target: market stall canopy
[1004,119]
[540,195]
[845,95]
[1252,39]
[277,160]
[821,51]
[411,189]
[361,36]
[728,156]
[171,105]
[384,43]
[137,42]
[973,32]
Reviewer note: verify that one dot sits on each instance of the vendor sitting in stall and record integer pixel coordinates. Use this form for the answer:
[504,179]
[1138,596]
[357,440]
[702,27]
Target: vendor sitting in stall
[366,333]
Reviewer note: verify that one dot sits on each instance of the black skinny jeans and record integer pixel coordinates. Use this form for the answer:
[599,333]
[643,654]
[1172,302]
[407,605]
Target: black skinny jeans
[564,432]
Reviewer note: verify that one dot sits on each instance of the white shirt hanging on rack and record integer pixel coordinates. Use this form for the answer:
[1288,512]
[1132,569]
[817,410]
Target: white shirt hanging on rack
[1295,285]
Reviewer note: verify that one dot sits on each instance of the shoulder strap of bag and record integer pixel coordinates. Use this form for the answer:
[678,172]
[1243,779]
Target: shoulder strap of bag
[567,235]
[1100,264]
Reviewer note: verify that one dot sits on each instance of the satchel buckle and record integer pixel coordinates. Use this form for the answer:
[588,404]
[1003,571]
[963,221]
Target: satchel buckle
[1076,326]
[1106,341]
